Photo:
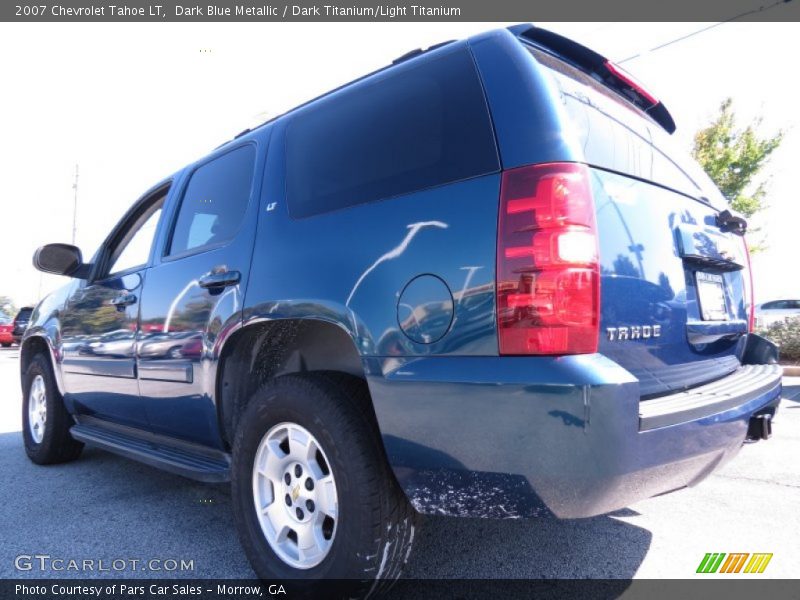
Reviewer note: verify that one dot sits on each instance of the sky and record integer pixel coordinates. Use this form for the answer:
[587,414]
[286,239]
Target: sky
[132,103]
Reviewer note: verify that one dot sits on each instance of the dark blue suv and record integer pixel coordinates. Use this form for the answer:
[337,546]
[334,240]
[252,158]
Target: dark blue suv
[480,282]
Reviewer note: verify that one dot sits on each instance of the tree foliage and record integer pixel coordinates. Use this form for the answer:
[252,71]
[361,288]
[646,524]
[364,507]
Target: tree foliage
[7,306]
[733,158]
[786,334]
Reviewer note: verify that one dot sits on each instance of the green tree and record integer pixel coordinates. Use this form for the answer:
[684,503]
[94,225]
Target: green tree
[733,158]
[7,306]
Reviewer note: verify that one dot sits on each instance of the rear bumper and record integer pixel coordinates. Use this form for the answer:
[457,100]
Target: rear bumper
[520,437]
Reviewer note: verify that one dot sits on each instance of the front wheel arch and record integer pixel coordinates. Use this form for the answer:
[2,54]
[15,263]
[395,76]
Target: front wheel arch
[34,345]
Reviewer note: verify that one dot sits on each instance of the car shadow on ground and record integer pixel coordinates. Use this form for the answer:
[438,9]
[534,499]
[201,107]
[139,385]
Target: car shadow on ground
[545,548]
[104,506]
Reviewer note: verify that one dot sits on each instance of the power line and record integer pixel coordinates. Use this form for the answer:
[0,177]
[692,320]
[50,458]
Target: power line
[704,29]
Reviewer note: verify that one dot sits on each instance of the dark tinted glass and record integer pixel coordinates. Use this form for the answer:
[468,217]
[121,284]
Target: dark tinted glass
[214,202]
[24,314]
[416,127]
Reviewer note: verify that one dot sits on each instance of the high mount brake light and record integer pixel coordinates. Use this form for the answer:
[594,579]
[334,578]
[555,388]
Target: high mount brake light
[548,279]
[631,82]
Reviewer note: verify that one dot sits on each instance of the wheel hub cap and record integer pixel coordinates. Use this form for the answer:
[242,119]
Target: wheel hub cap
[37,408]
[295,495]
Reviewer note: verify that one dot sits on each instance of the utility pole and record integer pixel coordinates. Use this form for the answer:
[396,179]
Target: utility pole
[75,205]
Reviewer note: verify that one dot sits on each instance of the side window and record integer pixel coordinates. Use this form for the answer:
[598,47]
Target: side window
[415,126]
[214,202]
[133,248]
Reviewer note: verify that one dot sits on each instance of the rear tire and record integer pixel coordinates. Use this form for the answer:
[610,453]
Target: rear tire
[6,344]
[45,420]
[370,537]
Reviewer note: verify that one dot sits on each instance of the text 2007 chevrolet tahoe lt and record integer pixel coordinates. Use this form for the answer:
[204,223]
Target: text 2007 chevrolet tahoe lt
[480,281]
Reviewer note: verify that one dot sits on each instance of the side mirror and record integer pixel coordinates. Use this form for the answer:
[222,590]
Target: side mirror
[61,259]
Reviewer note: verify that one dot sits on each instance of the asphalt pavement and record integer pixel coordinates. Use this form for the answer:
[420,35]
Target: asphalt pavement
[107,508]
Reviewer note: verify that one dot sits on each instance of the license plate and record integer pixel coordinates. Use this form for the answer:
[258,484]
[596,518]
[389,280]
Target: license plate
[711,295]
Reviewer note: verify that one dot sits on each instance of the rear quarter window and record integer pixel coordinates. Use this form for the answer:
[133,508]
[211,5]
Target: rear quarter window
[416,126]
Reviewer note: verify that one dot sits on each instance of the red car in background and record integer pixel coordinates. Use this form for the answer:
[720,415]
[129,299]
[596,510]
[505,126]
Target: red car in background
[6,331]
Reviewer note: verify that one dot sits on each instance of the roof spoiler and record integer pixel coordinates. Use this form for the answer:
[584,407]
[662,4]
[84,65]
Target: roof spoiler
[600,68]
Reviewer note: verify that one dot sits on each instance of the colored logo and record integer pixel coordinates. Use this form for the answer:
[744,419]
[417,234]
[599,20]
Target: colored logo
[741,562]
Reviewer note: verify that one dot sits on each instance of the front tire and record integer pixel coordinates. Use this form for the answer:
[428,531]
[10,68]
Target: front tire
[313,495]
[45,420]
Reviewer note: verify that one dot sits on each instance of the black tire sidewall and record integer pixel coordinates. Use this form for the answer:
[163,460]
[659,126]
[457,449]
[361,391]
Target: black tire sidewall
[57,445]
[347,448]
[39,366]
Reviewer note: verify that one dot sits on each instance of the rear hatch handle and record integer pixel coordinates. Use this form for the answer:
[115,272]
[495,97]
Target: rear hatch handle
[730,223]
[706,247]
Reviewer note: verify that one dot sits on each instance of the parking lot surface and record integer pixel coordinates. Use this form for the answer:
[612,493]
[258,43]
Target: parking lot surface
[109,508]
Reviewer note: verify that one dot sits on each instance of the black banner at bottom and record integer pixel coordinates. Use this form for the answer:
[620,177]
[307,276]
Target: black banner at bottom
[212,589]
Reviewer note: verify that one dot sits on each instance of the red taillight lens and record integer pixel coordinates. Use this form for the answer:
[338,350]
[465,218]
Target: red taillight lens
[548,281]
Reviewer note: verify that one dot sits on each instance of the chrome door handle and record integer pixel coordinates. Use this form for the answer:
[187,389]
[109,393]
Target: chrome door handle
[219,279]
[123,300]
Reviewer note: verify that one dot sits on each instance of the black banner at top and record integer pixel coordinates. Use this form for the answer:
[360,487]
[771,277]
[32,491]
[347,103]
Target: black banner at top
[414,11]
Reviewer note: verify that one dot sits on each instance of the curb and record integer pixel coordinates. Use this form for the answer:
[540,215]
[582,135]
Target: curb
[791,371]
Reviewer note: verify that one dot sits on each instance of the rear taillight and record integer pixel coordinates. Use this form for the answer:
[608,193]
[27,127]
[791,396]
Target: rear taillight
[751,317]
[548,281]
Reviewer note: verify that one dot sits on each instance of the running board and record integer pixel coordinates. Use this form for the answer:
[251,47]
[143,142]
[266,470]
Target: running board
[176,456]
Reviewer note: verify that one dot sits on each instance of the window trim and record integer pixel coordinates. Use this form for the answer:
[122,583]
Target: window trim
[173,218]
[159,193]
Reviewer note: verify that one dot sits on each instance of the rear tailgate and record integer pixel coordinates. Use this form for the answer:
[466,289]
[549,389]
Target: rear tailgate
[674,283]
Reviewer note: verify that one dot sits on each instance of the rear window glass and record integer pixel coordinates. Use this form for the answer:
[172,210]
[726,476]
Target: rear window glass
[416,127]
[614,144]
[557,65]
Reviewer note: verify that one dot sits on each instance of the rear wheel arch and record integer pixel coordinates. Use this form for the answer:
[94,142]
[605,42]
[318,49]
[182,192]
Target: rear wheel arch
[263,351]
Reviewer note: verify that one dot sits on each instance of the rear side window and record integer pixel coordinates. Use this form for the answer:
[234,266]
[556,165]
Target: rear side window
[417,127]
[214,202]
[781,305]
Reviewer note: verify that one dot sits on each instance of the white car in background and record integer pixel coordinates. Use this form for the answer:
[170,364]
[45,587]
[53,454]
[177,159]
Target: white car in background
[776,310]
